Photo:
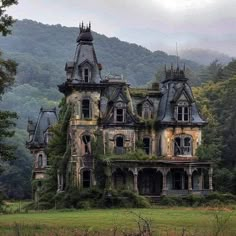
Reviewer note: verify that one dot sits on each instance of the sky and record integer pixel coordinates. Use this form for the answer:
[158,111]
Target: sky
[154,24]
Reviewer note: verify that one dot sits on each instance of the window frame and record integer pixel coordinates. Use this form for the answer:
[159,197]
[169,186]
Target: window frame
[122,107]
[84,110]
[86,74]
[86,144]
[183,112]
[119,149]
[180,148]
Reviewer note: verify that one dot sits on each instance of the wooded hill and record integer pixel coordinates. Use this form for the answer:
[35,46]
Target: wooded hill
[41,52]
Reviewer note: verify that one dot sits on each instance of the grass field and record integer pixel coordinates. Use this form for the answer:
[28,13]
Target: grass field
[164,221]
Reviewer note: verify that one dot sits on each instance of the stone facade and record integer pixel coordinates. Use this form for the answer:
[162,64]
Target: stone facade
[39,136]
[162,121]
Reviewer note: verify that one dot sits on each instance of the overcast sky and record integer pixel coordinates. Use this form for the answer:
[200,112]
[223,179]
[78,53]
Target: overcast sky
[155,24]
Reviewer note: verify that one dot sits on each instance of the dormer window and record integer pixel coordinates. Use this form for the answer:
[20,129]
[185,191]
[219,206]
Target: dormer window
[183,112]
[145,110]
[86,75]
[86,113]
[119,113]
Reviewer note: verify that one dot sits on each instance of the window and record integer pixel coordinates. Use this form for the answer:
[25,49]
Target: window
[86,109]
[86,179]
[119,115]
[86,141]
[119,142]
[86,75]
[40,161]
[146,145]
[145,110]
[183,146]
[183,113]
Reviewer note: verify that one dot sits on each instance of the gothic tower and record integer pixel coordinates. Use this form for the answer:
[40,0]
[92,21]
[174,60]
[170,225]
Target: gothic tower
[82,90]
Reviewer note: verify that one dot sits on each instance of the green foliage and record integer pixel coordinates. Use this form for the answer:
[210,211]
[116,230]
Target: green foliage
[5,20]
[214,199]
[58,155]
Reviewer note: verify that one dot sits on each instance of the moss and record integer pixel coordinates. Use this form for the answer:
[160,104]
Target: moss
[139,92]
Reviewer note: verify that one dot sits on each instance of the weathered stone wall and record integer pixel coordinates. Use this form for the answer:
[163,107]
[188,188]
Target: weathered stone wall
[167,139]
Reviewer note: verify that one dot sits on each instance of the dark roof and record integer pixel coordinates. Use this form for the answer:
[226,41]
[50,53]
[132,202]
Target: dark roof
[85,35]
[46,119]
[172,90]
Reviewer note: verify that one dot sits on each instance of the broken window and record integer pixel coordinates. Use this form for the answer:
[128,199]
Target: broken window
[86,141]
[86,109]
[183,145]
[86,178]
[119,142]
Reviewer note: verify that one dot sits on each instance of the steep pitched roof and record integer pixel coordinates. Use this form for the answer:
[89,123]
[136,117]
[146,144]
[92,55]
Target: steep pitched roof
[172,91]
[46,119]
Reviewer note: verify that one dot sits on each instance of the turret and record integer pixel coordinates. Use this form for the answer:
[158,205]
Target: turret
[84,68]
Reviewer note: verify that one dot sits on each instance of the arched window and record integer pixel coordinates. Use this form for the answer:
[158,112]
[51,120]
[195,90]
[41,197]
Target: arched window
[86,110]
[183,146]
[40,161]
[146,145]
[86,178]
[87,144]
[119,145]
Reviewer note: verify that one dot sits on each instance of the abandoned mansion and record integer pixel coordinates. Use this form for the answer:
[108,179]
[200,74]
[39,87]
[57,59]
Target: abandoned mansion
[149,136]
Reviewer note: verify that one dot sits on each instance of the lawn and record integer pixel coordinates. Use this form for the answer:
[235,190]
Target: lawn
[106,220]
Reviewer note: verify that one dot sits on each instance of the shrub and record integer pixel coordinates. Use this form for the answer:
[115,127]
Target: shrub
[84,205]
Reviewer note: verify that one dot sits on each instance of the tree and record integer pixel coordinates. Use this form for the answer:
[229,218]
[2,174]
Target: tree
[7,72]
[5,20]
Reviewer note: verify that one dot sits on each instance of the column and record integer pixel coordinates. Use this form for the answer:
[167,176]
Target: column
[210,178]
[93,178]
[135,173]
[190,179]
[182,181]
[164,183]
[201,181]
[190,182]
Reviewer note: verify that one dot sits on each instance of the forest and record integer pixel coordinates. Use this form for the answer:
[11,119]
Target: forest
[41,52]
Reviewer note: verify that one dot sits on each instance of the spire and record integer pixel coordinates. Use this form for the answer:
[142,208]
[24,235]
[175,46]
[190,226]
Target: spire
[85,35]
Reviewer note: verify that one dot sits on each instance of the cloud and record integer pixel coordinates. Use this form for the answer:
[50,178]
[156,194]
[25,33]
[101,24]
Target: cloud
[156,24]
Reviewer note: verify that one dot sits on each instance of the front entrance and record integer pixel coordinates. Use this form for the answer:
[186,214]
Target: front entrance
[149,182]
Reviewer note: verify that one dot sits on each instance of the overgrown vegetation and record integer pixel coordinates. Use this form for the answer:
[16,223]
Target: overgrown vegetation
[122,222]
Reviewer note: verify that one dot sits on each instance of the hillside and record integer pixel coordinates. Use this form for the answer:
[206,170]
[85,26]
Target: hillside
[205,57]
[41,52]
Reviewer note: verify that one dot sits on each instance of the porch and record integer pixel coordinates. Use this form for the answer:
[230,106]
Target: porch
[156,179]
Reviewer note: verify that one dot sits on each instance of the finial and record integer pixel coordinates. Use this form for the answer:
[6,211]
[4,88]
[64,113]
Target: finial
[82,24]
[89,25]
